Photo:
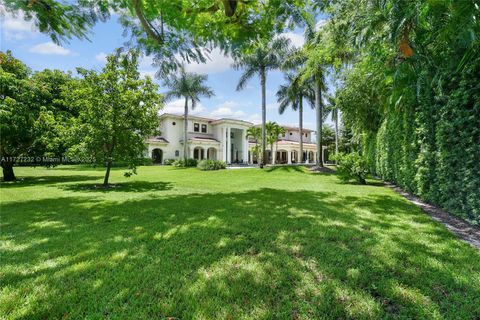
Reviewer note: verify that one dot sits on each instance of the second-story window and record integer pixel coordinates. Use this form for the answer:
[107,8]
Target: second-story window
[306,135]
[196,127]
[204,128]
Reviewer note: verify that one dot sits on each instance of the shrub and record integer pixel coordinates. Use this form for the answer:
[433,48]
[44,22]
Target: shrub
[352,166]
[182,163]
[168,162]
[211,165]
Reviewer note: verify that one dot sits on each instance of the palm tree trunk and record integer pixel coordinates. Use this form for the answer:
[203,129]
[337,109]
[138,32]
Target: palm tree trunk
[185,129]
[264,115]
[318,109]
[335,112]
[300,124]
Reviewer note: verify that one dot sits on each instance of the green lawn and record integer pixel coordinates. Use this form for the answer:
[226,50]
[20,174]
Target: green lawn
[231,244]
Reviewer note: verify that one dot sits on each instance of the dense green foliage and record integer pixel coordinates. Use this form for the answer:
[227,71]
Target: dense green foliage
[185,163]
[118,111]
[411,95]
[279,243]
[168,162]
[208,164]
[35,121]
[351,166]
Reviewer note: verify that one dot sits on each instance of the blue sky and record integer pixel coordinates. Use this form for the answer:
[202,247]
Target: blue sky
[38,52]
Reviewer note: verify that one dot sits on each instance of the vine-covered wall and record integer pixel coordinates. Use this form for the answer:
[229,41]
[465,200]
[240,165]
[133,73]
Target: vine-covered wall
[433,149]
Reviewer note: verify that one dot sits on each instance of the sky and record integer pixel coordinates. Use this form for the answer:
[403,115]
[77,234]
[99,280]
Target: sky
[38,52]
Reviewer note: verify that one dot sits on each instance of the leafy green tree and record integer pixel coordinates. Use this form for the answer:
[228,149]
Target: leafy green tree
[18,112]
[34,118]
[118,111]
[292,94]
[191,87]
[61,20]
[172,31]
[264,57]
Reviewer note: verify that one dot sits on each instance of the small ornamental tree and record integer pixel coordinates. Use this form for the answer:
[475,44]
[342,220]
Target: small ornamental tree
[118,111]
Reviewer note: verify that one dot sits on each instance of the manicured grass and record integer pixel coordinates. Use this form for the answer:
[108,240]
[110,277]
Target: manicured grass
[231,244]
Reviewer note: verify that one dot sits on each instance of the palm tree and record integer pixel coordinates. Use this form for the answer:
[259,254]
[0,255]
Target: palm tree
[255,133]
[292,94]
[265,56]
[274,130]
[332,108]
[190,86]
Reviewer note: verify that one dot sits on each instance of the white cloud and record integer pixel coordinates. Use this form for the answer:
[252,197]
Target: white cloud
[227,110]
[16,27]
[50,48]
[102,57]
[217,62]
[177,107]
[296,38]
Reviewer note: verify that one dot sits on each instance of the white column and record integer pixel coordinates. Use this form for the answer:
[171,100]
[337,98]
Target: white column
[250,158]
[245,146]
[289,157]
[191,151]
[229,145]
[223,140]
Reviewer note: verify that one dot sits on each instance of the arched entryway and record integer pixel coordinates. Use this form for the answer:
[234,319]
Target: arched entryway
[311,158]
[198,153]
[157,155]
[211,153]
[282,157]
[295,158]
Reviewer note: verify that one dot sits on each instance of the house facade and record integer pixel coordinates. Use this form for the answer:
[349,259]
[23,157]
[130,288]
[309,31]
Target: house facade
[223,139]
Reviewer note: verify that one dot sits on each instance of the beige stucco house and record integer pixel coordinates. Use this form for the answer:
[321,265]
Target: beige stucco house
[223,139]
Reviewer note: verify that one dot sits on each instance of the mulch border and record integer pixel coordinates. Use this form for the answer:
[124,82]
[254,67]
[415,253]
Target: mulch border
[462,229]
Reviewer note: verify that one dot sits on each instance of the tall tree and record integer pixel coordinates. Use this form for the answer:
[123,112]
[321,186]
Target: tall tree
[18,112]
[333,110]
[264,57]
[190,86]
[292,94]
[118,111]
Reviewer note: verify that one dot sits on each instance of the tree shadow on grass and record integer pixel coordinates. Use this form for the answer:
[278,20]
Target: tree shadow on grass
[46,180]
[263,253]
[134,186]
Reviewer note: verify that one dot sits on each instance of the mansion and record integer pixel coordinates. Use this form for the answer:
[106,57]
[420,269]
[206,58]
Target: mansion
[226,140]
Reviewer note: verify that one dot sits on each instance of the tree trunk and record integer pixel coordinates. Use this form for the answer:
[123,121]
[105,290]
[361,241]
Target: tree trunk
[264,115]
[318,109]
[8,174]
[300,125]
[107,174]
[336,132]
[185,131]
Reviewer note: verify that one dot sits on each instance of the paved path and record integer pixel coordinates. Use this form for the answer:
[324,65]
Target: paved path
[462,229]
